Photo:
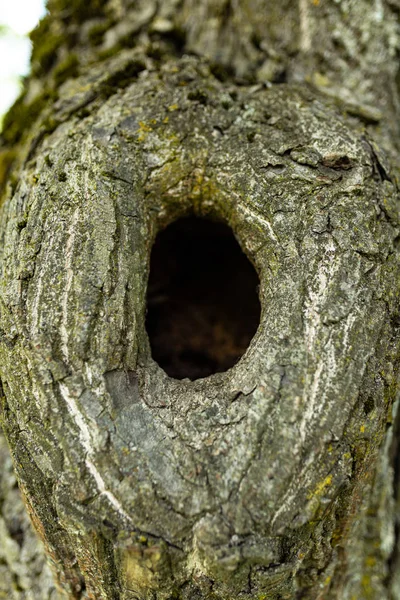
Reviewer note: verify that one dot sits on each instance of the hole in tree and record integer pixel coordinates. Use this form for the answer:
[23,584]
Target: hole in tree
[202,302]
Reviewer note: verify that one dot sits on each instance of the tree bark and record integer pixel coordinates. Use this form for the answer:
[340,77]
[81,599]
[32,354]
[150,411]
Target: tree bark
[277,478]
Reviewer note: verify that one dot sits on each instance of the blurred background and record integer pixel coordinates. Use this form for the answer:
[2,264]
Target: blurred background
[17,19]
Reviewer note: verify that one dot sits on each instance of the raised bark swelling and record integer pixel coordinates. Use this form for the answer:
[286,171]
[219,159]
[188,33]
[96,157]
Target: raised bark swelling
[275,479]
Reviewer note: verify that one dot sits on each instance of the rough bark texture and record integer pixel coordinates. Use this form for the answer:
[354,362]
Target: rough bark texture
[24,574]
[276,479]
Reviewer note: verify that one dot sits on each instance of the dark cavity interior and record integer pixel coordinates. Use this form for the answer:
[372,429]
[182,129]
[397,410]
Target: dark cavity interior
[202,302]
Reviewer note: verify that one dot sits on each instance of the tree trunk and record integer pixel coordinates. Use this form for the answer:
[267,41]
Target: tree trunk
[276,478]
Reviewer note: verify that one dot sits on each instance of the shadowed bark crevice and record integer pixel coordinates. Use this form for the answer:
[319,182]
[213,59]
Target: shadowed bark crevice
[202,305]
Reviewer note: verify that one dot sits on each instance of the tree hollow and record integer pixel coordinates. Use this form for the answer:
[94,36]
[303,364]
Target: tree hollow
[202,302]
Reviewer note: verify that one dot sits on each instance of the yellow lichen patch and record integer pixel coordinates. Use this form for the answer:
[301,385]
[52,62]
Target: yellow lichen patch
[320,80]
[138,566]
[144,127]
[366,585]
[173,107]
[197,184]
[362,428]
[320,487]
[143,566]
[370,561]
[143,130]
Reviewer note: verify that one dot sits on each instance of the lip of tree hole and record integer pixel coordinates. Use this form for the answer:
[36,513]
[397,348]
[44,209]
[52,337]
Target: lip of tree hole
[202,302]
